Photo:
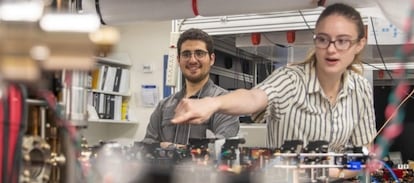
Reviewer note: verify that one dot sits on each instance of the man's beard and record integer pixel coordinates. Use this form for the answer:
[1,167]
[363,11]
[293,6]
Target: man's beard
[196,79]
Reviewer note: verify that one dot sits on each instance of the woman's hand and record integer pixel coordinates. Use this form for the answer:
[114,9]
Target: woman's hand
[194,111]
[342,173]
[166,145]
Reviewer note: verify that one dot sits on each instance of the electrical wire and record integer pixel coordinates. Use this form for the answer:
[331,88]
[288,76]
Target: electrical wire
[375,67]
[188,134]
[305,21]
[98,11]
[374,180]
[17,163]
[13,118]
[379,50]
[277,44]
[394,113]
[181,24]
[390,171]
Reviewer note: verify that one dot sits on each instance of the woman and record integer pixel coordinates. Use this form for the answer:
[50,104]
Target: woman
[323,98]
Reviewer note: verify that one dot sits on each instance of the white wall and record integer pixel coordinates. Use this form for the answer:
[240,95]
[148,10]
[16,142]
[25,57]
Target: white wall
[145,43]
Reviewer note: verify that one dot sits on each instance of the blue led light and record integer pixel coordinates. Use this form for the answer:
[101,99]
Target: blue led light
[354,165]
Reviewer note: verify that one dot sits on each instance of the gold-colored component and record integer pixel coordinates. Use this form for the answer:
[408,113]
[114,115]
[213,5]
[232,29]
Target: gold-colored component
[36,156]
[34,112]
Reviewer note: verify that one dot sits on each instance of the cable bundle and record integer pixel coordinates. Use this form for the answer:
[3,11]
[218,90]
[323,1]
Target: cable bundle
[13,123]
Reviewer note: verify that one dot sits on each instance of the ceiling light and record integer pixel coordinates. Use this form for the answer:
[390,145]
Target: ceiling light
[29,11]
[70,22]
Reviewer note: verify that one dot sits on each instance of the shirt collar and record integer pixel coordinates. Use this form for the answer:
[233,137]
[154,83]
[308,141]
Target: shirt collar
[200,94]
[311,79]
[314,85]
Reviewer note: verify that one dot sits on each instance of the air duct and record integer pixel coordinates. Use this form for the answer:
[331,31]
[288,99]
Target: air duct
[124,11]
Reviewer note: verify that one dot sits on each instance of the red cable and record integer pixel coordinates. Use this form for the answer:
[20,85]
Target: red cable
[2,121]
[195,7]
[15,101]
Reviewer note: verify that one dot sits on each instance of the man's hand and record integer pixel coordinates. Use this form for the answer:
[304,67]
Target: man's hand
[194,111]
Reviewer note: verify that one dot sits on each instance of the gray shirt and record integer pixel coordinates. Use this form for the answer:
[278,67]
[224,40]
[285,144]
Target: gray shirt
[160,128]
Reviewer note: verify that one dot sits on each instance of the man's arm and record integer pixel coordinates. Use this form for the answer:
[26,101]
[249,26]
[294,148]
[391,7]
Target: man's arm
[238,102]
[153,129]
[224,125]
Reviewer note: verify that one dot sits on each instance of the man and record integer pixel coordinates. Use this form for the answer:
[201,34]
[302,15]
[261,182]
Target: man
[195,57]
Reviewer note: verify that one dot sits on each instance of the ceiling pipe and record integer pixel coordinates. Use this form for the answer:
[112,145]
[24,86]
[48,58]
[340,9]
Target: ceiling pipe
[126,11]
[123,11]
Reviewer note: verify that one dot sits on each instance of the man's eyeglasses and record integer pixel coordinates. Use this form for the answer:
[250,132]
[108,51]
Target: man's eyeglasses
[341,44]
[198,54]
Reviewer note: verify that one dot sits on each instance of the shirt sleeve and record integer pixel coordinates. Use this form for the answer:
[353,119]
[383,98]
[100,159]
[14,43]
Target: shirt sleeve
[365,130]
[279,88]
[154,126]
[225,125]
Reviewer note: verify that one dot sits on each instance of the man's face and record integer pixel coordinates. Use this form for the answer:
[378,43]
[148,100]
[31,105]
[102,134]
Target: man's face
[195,61]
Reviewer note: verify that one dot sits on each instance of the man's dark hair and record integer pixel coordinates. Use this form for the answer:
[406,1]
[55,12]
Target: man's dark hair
[196,34]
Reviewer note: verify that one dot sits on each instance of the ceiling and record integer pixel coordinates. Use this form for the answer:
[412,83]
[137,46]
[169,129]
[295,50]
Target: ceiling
[232,33]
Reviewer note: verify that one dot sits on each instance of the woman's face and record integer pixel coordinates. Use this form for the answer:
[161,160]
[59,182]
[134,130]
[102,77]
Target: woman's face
[336,57]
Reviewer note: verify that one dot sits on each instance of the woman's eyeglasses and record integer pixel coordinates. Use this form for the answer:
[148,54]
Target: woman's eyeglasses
[198,54]
[341,44]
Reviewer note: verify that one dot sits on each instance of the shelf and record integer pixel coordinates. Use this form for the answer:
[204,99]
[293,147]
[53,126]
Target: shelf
[113,61]
[113,70]
[111,93]
[253,125]
[111,121]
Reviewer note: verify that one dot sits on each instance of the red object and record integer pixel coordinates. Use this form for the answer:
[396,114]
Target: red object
[196,151]
[10,136]
[398,172]
[224,168]
[15,119]
[291,36]
[366,31]
[2,121]
[381,74]
[195,7]
[255,38]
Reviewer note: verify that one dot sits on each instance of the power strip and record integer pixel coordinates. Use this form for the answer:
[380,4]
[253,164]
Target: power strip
[174,38]
[172,67]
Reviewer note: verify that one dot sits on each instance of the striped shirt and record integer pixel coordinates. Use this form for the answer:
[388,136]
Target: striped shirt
[299,110]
